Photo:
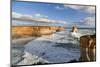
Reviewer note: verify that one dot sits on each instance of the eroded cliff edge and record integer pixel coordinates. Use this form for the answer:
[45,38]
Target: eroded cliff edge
[35,31]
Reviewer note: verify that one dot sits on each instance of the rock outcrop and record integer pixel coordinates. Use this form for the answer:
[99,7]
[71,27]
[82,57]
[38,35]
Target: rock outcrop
[26,31]
[74,29]
[88,48]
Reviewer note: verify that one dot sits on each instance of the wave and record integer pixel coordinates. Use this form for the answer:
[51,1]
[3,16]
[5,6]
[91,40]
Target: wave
[59,47]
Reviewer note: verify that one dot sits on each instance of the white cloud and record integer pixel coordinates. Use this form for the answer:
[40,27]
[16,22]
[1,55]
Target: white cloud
[22,17]
[40,16]
[37,15]
[90,21]
[88,9]
[16,15]
[59,8]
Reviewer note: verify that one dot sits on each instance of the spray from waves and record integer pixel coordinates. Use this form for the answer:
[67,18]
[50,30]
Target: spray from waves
[70,39]
[67,40]
[60,47]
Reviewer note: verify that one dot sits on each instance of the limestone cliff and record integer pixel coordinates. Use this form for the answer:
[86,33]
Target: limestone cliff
[88,48]
[26,31]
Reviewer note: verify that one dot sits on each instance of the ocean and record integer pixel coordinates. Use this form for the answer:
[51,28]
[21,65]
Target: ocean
[59,47]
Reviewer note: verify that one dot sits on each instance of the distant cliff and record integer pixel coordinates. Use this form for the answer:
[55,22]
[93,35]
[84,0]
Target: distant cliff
[36,31]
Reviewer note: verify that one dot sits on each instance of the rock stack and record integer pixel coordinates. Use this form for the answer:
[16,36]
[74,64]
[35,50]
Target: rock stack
[74,29]
[88,48]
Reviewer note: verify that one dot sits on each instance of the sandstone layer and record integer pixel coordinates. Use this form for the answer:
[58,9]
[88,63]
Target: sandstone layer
[26,31]
[88,48]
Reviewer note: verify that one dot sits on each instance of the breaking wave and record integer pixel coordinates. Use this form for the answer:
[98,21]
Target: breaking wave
[59,47]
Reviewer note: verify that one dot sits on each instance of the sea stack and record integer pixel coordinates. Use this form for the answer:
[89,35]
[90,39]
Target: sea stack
[74,29]
[88,48]
[74,32]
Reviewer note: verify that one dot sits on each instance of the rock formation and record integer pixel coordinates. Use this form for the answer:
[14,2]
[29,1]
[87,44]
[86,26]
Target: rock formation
[88,48]
[26,31]
[74,29]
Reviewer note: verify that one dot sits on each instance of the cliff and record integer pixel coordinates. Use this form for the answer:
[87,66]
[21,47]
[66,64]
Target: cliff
[88,48]
[36,31]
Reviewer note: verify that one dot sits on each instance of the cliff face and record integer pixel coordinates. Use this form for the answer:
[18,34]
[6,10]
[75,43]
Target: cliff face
[26,31]
[88,48]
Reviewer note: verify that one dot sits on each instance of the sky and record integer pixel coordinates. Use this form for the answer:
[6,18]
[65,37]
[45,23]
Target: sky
[54,13]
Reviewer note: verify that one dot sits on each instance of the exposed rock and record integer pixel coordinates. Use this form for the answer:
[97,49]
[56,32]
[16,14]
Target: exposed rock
[74,32]
[26,31]
[74,29]
[88,48]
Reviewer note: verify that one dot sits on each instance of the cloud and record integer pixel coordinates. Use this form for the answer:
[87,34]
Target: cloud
[40,16]
[59,8]
[90,21]
[16,15]
[87,9]
[22,17]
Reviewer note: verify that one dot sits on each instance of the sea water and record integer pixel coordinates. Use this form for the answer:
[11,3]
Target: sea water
[59,47]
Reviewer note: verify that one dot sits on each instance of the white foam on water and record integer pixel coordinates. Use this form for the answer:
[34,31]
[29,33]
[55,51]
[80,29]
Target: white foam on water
[31,59]
[57,48]
[45,48]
